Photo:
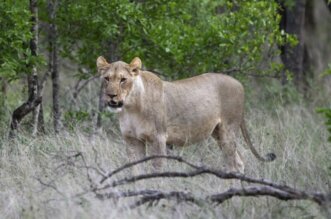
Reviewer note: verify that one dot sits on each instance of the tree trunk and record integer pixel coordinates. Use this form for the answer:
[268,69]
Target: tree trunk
[34,98]
[3,98]
[33,90]
[308,60]
[33,83]
[3,86]
[292,57]
[328,4]
[53,64]
[20,112]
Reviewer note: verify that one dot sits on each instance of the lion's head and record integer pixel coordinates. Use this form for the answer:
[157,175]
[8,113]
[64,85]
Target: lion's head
[119,80]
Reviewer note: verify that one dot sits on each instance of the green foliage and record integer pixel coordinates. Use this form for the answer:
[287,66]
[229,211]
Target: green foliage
[86,28]
[288,3]
[327,113]
[179,38]
[75,117]
[327,71]
[14,40]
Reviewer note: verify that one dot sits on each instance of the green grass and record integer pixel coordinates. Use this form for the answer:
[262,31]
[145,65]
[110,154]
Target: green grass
[294,132]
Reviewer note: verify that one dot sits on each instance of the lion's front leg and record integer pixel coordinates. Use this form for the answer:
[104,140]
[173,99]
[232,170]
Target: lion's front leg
[157,146]
[135,148]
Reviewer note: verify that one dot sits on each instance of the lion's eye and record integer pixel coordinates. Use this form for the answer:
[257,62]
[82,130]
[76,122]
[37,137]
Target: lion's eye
[107,79]
[123,80]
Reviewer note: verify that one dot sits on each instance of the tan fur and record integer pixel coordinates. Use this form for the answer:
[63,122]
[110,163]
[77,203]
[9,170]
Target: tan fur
[156,112]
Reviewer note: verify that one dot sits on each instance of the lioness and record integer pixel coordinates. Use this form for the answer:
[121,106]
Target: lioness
[153,112]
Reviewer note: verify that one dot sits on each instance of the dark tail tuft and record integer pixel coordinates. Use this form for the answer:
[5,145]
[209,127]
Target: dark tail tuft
[270,157]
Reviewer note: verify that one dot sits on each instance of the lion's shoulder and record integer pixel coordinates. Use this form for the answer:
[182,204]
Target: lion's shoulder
[151,81]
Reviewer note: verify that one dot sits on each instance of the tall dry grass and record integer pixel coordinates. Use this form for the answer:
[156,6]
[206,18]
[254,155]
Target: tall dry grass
[294,132]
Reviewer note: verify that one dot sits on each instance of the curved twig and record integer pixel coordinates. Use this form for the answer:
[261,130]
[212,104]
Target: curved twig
[131,164]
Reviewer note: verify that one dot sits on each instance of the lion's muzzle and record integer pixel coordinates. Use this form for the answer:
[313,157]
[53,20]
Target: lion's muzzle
[115,104]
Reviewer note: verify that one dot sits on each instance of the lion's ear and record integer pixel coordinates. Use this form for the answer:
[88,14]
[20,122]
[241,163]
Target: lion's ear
[135,65]
[101,63]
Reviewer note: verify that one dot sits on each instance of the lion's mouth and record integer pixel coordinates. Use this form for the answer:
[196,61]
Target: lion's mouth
[115,107]
[114,104]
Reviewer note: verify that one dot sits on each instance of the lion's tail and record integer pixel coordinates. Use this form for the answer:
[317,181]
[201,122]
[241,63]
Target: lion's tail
[267,158]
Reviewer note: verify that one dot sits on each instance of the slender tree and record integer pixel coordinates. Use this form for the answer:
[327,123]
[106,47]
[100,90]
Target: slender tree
[3,93]
[293,20]
[33,77]
[53,63]
[34,98]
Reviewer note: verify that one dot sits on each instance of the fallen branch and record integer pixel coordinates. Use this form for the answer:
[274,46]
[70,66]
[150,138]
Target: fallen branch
[255,191]
[282,192]
[174,195]
[199,171]
[150,196]
[105,188]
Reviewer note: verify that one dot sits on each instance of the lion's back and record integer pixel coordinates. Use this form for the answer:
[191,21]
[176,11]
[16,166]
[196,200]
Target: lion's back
[196,105]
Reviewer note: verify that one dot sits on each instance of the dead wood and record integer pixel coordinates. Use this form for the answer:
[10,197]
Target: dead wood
[109,187]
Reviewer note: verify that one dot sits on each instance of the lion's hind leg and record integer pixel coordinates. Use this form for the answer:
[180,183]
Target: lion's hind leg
[225,138]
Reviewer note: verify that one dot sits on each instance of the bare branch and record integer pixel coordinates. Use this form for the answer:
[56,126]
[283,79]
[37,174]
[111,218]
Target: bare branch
[174,195]
[200,170]
[268,188]
[150,196]
[96,160]
[265,191]
[49,185]
[79,88]
[131,164]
